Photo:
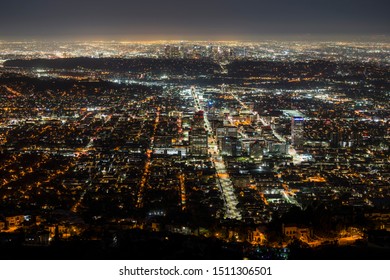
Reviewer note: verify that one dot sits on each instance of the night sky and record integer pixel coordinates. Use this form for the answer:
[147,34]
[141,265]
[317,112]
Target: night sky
[197,19]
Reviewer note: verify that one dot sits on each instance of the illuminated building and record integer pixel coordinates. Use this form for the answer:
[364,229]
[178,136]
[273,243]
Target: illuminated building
[198,136]
[280,148]
[297,138]
[231,146]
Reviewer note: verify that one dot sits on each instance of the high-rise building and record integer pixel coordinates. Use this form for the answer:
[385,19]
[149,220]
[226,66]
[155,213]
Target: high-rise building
[198,136]
[231,146]
[278,148]
[173,51]
[226,131]
[297,131]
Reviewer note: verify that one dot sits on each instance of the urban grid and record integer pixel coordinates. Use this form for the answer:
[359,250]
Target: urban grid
[194,150]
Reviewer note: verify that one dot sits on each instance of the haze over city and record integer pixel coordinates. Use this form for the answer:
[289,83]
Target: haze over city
[193,20]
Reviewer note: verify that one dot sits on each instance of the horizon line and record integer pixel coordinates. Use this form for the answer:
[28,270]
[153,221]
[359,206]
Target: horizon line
[382,38]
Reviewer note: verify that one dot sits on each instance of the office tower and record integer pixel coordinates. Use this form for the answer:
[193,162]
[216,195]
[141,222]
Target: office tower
[297,138]
[198,136]
[231,146]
